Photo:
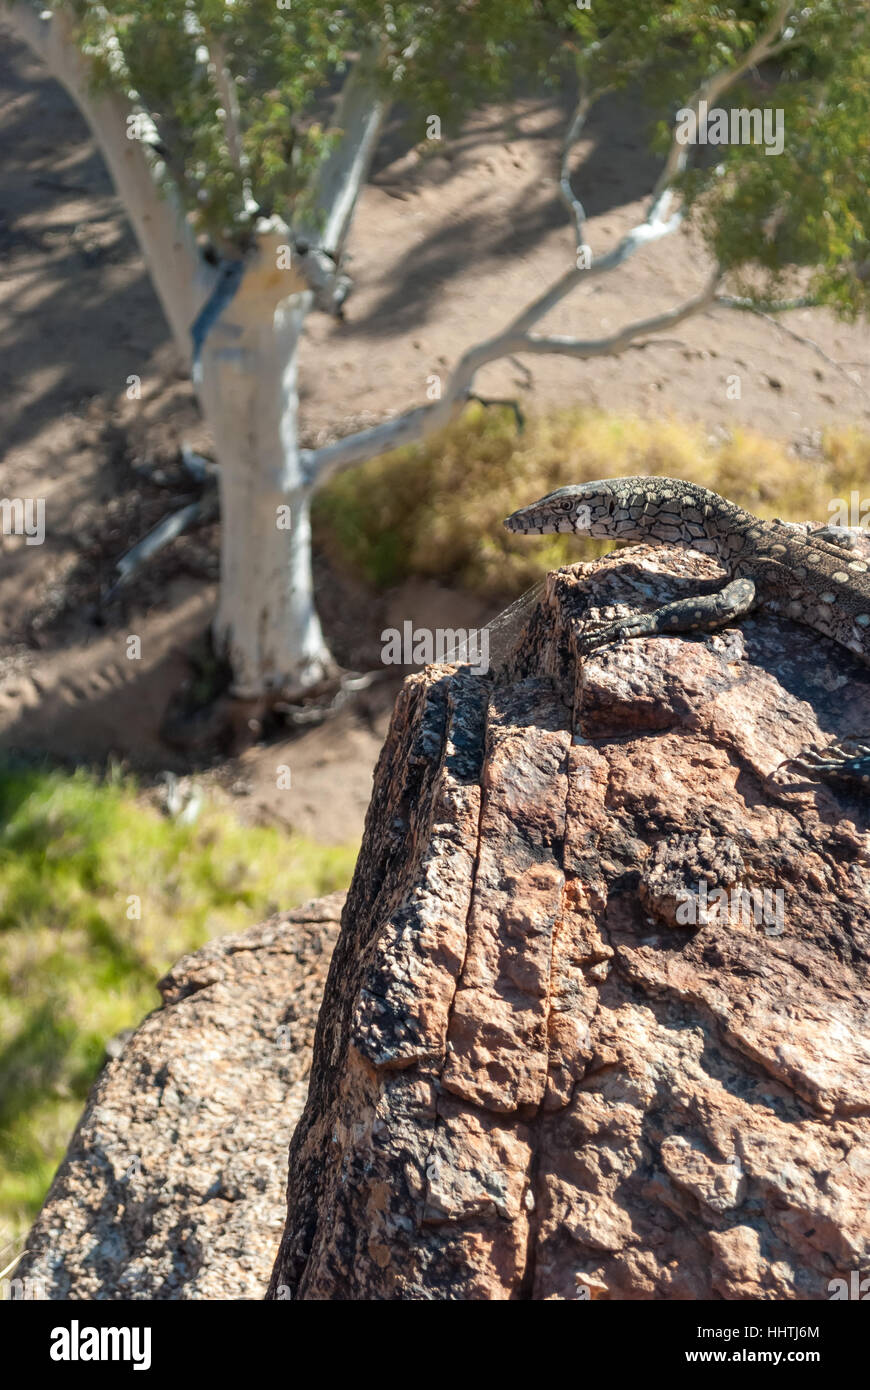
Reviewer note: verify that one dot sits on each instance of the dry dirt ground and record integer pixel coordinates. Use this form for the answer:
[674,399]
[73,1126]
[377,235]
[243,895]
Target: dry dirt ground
[443,251]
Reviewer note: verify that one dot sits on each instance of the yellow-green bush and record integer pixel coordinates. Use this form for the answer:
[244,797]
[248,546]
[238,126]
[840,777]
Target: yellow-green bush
[75,968]
[435,510]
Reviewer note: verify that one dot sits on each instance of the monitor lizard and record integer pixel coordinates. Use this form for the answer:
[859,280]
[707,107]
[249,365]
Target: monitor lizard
[808,577]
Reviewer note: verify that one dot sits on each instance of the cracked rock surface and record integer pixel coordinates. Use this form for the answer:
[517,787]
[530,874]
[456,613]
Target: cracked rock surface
[173,1184]
[596,1025]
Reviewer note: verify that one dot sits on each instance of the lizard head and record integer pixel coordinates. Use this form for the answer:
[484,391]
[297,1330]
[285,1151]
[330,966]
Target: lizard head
[579,508]
[632,508]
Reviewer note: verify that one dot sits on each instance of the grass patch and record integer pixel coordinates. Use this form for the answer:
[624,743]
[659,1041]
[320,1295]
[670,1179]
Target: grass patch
[435,510]
[76,963]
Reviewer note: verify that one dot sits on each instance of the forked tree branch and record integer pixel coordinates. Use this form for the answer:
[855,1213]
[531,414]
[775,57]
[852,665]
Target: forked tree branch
[414,425]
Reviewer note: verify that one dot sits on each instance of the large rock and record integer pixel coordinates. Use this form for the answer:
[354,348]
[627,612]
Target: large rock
[173,1186]
[535,1077]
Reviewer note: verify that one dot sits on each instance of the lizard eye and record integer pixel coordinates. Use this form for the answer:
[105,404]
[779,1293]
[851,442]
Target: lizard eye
[566,504]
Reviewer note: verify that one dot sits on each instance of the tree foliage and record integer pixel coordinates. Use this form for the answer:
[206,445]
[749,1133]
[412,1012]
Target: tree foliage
[284,62]
[763,216]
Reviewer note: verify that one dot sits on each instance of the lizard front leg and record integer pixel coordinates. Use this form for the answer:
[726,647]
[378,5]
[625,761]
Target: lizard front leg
[700,614]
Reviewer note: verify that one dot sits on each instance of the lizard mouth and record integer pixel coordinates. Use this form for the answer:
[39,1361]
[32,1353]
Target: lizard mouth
[520,521]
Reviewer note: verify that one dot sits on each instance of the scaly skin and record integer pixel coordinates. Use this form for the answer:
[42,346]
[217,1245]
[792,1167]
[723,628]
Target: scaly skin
[803,577]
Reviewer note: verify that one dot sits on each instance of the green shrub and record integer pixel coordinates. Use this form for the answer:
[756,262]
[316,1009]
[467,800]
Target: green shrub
[75,969]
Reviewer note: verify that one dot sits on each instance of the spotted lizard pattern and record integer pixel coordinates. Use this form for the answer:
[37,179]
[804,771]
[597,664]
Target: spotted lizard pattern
[809,578]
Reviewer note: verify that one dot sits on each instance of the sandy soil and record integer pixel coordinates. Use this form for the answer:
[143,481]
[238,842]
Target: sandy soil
[443,252]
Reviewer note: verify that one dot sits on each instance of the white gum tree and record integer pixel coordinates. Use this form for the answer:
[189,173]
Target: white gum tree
[240,173]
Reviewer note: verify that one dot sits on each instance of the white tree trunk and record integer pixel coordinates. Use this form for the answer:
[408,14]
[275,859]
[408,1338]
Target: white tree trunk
[267,622]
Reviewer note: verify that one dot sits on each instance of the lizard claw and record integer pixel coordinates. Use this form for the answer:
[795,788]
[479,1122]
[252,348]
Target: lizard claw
[606,636]
[845,762]
[841,536]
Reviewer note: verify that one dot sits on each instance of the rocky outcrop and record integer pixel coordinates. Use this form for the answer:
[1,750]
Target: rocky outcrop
[173,1186]
[596,1023]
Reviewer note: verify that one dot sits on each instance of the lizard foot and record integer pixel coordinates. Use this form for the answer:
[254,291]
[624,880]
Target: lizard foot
[845,762]
[842,536]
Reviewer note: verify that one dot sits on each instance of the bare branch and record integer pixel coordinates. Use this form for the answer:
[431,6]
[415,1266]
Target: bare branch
[360,117]
[195,513]
[626,337]
[767,312]
[572,135]
[641,235]
[415,425]
[229,100]
[659,221]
